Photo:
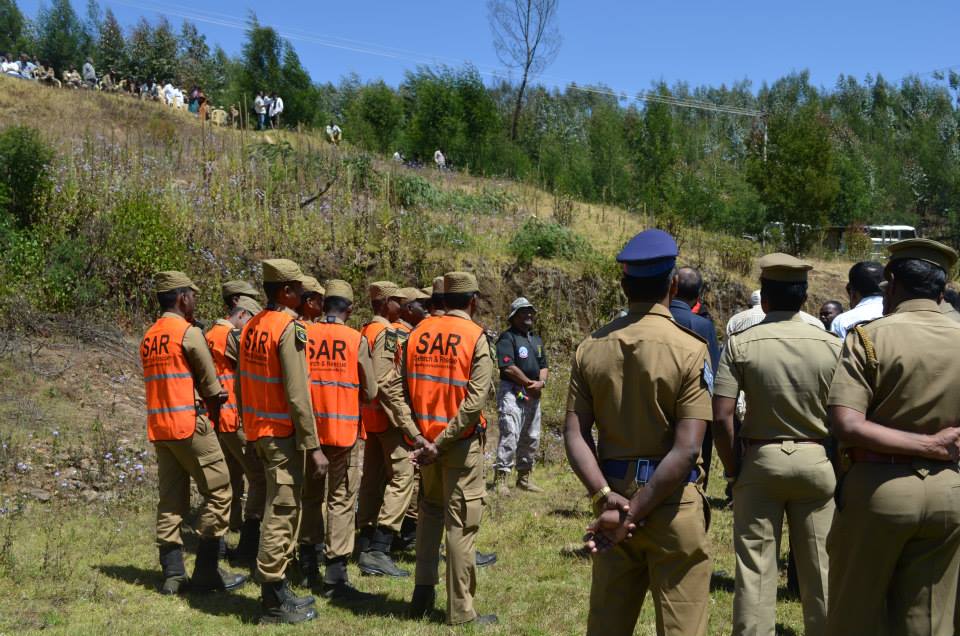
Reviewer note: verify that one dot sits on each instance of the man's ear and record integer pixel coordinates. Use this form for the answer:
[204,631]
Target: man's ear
[674,286]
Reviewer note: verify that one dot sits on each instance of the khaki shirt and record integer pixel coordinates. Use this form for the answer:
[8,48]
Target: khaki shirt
[479,390]
[637,377]
[200,360]
[296,385]
[784,366]
[913,386]
[949,311]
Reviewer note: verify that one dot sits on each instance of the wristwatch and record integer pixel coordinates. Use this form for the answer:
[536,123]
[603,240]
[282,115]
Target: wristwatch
[600,495]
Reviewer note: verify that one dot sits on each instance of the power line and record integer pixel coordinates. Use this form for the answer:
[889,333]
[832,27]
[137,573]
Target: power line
[357,46]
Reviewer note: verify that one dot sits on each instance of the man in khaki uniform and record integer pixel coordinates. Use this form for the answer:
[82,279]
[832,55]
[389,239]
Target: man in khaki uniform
[274,397]
[784,367]
[242,460]
[895,543]
[177,366]
[231,291]
[386,486]
[643,382]
[446,412]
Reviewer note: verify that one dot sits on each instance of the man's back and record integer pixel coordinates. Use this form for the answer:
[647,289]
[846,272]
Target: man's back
[869,308]
[701,326]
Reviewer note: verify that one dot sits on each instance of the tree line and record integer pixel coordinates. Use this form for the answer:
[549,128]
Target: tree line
[863,151]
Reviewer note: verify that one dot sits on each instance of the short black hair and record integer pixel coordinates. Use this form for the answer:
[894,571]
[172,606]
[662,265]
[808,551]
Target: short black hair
[437,301]
[782,295]
[649,289]
[236,309]
[689,283]
[953,297]
[168,299]
[835,303]
[458,301]
[919,279]
[272,289]
[336,304]
[865,278]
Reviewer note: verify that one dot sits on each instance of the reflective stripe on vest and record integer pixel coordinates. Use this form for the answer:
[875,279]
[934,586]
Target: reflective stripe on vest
[217,342]
[333,352]
[171,407]
[372,414]
[265,409]
[439,358]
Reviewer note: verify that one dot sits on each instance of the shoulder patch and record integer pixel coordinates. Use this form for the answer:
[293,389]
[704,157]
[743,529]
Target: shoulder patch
[390,340]
[301,332]
[402,336]
[707,377]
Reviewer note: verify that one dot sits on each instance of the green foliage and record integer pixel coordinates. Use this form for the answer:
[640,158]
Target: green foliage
[545,239]
[736,255]
[374,117]
[413,192]
[24,173]
[12,30]
[857,244]
[61,38]
[111,50]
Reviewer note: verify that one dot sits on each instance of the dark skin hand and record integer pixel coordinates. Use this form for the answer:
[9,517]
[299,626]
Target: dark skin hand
[854,429]
[319,464]
[426,451]
[723,436]
[213,407]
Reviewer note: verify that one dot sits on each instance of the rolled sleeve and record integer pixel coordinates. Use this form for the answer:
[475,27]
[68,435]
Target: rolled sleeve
[851,387]
[693,398]
[579,398]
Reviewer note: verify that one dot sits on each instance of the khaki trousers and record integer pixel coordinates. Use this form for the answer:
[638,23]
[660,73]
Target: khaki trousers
[667,555]
[452,492]
[199,456]
[339,492]
[244,455]
[895,550]
[791,478]
[386,487]
[283,467]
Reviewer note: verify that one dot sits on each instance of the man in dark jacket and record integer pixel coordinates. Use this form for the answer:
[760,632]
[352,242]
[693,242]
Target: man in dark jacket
[688,294]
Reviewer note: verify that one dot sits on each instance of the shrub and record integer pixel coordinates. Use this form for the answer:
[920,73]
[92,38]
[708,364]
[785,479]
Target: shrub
[857,243]
[546,240]
[412,192]
[736,255]
[24,173]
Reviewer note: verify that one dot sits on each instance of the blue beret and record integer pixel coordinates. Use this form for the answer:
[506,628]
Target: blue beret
[649,253]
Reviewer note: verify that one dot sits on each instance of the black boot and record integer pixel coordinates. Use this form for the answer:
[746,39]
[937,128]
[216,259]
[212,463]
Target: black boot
[376,561]
[336,584]
[246,551]
[287,595]
[207,575]
[363,540]
[485,558]
[407,539]
[424,598]
[309,565]
[278,610]
[174,574]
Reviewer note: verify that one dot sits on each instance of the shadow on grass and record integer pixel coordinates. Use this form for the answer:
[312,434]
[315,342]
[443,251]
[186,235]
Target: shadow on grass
[721,580]
[383,606]
[719,503]
[570,513]
[213,603]
[783,630]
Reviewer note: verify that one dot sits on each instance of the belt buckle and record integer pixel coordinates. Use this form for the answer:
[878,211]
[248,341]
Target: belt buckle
[641,463]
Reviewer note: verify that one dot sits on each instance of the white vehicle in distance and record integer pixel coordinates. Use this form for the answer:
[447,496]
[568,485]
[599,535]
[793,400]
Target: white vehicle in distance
[883,235]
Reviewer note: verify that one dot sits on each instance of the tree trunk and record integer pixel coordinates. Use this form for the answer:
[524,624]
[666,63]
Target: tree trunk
[517,107]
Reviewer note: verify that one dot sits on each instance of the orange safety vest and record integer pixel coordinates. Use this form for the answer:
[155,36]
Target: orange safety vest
[217,342]
[333,352]
[265,409]
[438,362]
[372,415]
[399,326]
[168,380]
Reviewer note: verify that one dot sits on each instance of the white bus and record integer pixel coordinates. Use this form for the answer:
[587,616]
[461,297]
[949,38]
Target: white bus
[883,235]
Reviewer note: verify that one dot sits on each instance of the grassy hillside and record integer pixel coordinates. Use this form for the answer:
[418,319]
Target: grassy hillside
[136,188]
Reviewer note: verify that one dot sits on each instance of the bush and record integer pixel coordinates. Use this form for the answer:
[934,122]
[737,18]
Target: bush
[857,243]
[545,239]
[24,173]
[736,255]
[413,192]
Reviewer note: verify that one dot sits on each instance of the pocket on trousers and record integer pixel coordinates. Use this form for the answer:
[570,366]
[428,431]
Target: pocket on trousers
[213,467]
[286,496]
[474,513]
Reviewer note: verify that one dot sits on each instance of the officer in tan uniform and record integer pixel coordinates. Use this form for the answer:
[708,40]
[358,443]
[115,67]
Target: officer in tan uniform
[274,398]
[223,341]
[231,292]
[643,382]
[894,405]
[177,366]
[778,463]
[446,377]
[386,486]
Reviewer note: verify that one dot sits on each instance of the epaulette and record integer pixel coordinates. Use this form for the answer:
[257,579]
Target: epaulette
[689,331]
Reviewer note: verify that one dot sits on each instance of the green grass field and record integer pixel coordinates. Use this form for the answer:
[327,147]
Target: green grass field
[84,569]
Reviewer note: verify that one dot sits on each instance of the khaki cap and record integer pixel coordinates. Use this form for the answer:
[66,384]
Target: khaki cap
[438,285]
[412,293]
[312,286]
[933,252]
[460,283]
[249,305]
[427,291]
[281,270]
[241,287]
[170,280]
[384,289]
[339,289]
[784,268]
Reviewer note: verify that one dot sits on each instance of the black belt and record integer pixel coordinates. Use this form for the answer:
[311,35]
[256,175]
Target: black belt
[619,469]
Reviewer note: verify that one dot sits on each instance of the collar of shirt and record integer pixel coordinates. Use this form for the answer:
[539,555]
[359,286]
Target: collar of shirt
[336,320]
[224,322]
[870,300]
[639,309]
[459,313]
[285,309]
[676,303]
[779,316]
[917,304]
[170,314]
[382,320]
[521,332]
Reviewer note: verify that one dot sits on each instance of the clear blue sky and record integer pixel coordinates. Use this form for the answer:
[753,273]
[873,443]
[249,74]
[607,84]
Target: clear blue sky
[626,45]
